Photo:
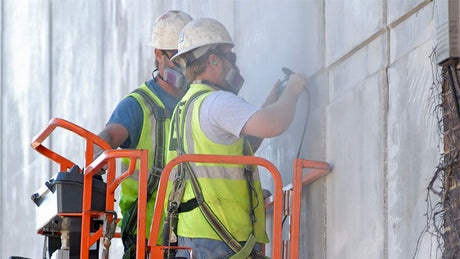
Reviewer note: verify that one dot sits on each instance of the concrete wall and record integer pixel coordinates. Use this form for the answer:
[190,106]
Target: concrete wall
[366,111]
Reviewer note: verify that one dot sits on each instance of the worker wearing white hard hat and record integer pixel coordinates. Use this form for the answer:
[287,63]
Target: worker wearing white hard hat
[141,120]
[221,212]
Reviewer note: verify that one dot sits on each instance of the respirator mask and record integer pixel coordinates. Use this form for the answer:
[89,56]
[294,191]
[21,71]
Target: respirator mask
[175,77]
[233,78]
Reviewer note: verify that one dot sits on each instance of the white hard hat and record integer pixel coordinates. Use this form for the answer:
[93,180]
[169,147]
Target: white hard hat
[166,29]
[198,36]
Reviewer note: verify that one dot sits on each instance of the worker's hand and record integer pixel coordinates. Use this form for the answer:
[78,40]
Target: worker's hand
[97,151]
[273,96]
[297,83]
[102,171]
[266,193]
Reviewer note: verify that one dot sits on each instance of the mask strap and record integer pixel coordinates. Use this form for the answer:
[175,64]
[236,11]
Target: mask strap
[206,82]
[153,72]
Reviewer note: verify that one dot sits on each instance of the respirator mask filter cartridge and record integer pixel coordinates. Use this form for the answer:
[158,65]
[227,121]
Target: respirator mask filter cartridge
[175,77]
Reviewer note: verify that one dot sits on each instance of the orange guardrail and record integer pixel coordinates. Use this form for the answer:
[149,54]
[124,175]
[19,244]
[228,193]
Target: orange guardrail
[221,159]
[91,168]
[290,194]
[63,162]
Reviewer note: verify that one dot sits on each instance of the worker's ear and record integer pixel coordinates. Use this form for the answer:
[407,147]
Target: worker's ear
[213,60]
[158,54]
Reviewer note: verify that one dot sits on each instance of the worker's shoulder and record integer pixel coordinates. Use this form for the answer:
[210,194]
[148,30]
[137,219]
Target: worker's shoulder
[222,97]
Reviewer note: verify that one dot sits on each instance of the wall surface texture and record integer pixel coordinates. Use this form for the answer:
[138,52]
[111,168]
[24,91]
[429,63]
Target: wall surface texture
[368,109]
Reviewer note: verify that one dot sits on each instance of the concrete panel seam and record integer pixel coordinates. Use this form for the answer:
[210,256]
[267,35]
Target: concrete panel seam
[1,124]
[409,14]
[103,40]
[324,34]
[324,218]
[385,152]
[359,47]
[379,33]
[325,134]
[385,131]
[50,75]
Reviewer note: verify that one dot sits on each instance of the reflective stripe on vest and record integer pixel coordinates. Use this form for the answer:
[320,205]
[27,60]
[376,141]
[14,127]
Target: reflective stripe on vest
[224,187]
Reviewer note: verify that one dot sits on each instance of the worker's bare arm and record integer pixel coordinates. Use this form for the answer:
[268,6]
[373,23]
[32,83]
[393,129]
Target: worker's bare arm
[275,118]
[273,96]
[114,134]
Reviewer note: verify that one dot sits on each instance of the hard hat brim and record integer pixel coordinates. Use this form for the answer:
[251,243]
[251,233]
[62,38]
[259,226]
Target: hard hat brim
[187,50]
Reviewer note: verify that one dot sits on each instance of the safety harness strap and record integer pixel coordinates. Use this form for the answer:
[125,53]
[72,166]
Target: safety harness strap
[129,222]
[246,249]
[161,115]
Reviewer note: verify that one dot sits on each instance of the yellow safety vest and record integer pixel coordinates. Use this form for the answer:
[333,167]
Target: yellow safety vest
[148,140]
[224,186]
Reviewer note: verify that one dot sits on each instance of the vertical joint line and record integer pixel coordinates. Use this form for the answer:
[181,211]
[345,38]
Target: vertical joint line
[50,73]
[325,198]
[385,108]
[103,35]
[1,124]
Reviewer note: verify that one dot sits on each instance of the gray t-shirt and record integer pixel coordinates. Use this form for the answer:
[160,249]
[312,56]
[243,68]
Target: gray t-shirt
[223,116]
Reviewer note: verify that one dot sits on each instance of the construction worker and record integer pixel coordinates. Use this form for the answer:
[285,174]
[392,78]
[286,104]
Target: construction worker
[141,121]
[220,210]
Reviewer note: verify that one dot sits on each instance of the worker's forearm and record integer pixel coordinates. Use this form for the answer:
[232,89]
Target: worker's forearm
[114,134]
[97,149]
[281,113]
[273,119]
[273,96]
[106,136]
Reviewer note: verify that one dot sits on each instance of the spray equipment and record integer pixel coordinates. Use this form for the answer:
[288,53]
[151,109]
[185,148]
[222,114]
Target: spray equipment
[287,74]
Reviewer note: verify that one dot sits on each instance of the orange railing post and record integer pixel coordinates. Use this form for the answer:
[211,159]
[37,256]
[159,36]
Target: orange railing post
[87,239]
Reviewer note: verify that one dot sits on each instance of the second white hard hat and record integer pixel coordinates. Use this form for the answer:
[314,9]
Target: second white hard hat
[198,36]
[166,29]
